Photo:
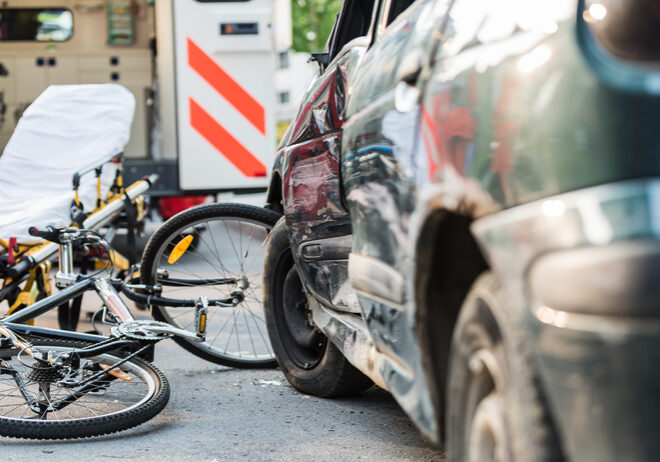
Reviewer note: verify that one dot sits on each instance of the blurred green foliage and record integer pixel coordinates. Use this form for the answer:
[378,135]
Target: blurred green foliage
[312,23]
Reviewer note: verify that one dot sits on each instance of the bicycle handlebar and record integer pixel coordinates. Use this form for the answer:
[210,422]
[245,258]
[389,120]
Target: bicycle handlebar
[52,234]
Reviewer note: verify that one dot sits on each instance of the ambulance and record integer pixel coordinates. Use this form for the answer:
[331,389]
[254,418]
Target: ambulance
[202,73]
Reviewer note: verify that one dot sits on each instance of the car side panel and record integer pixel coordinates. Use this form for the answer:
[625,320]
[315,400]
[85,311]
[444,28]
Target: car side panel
[379,179]
[523,117]
[311,188]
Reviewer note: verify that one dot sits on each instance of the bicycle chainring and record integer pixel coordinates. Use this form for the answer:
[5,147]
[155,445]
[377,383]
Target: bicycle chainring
[140,330]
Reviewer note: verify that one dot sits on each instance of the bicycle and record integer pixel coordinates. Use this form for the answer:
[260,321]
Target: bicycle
[184,260]
[57,384]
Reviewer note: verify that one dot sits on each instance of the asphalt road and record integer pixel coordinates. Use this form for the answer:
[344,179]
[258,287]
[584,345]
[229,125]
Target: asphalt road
[222,414]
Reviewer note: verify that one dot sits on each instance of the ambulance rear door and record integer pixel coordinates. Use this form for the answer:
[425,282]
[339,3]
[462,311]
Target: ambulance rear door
[224,80]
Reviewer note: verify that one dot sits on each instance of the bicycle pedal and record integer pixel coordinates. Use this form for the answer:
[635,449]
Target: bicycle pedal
[201,315]
[117,373]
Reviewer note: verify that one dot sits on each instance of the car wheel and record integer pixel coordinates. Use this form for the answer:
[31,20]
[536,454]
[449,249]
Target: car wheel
[495,408]
[310,362]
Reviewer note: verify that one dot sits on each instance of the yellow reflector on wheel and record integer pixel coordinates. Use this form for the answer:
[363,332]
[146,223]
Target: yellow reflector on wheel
[180,249]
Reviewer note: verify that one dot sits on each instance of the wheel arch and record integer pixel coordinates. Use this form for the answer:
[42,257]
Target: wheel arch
[449,260]
[274,194]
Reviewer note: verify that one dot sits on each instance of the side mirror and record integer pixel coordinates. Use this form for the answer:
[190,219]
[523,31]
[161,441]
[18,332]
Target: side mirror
[322,58]
[3,70]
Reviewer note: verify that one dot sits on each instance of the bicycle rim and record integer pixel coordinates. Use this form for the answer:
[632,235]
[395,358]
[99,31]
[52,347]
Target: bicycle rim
[220,247]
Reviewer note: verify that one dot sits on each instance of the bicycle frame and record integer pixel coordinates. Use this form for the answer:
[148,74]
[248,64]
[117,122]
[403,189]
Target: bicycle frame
[73,286]
[106,293]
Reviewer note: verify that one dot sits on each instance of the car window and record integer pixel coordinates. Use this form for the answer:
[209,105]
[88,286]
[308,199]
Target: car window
[409,38]
[388,11]
[36,24]
[354,21]
[396,8]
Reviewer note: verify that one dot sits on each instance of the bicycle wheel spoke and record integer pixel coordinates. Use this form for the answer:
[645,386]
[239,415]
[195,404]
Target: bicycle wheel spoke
[220,331]
[231,240]
[254,348]
[247,251]
[231,332]
[240,240]
[215,246]
[256,318]
[261,247]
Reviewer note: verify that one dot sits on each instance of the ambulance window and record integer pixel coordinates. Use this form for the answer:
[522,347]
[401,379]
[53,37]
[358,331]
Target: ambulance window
[36,24]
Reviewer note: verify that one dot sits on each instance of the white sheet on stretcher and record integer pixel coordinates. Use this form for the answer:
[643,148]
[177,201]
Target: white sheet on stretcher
[67,129]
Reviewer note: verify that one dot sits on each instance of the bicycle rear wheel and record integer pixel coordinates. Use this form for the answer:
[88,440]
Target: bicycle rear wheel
[33,406]
[195,254]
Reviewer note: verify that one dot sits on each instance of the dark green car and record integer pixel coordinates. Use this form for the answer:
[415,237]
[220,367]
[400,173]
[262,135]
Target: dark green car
[472,196]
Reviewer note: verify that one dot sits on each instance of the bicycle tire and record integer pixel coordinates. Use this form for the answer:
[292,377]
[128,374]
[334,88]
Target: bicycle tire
[148,384]
[210,225]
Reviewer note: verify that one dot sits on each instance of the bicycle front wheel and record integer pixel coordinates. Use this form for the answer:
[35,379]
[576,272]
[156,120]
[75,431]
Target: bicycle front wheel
[205,251]
[35,405]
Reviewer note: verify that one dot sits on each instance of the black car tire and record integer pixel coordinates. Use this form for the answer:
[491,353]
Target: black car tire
[496,410]
[310,362]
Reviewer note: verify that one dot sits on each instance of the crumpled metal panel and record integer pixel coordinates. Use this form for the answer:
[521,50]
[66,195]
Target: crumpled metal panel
[308,163]
[311,191]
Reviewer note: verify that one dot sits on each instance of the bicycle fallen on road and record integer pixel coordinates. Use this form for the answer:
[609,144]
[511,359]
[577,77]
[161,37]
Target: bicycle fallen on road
[57,384]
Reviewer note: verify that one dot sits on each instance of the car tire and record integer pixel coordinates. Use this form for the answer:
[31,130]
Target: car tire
[495,407]
[310,362]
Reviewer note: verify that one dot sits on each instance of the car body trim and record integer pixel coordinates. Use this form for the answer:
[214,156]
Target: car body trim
[332,248]
[375,279]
